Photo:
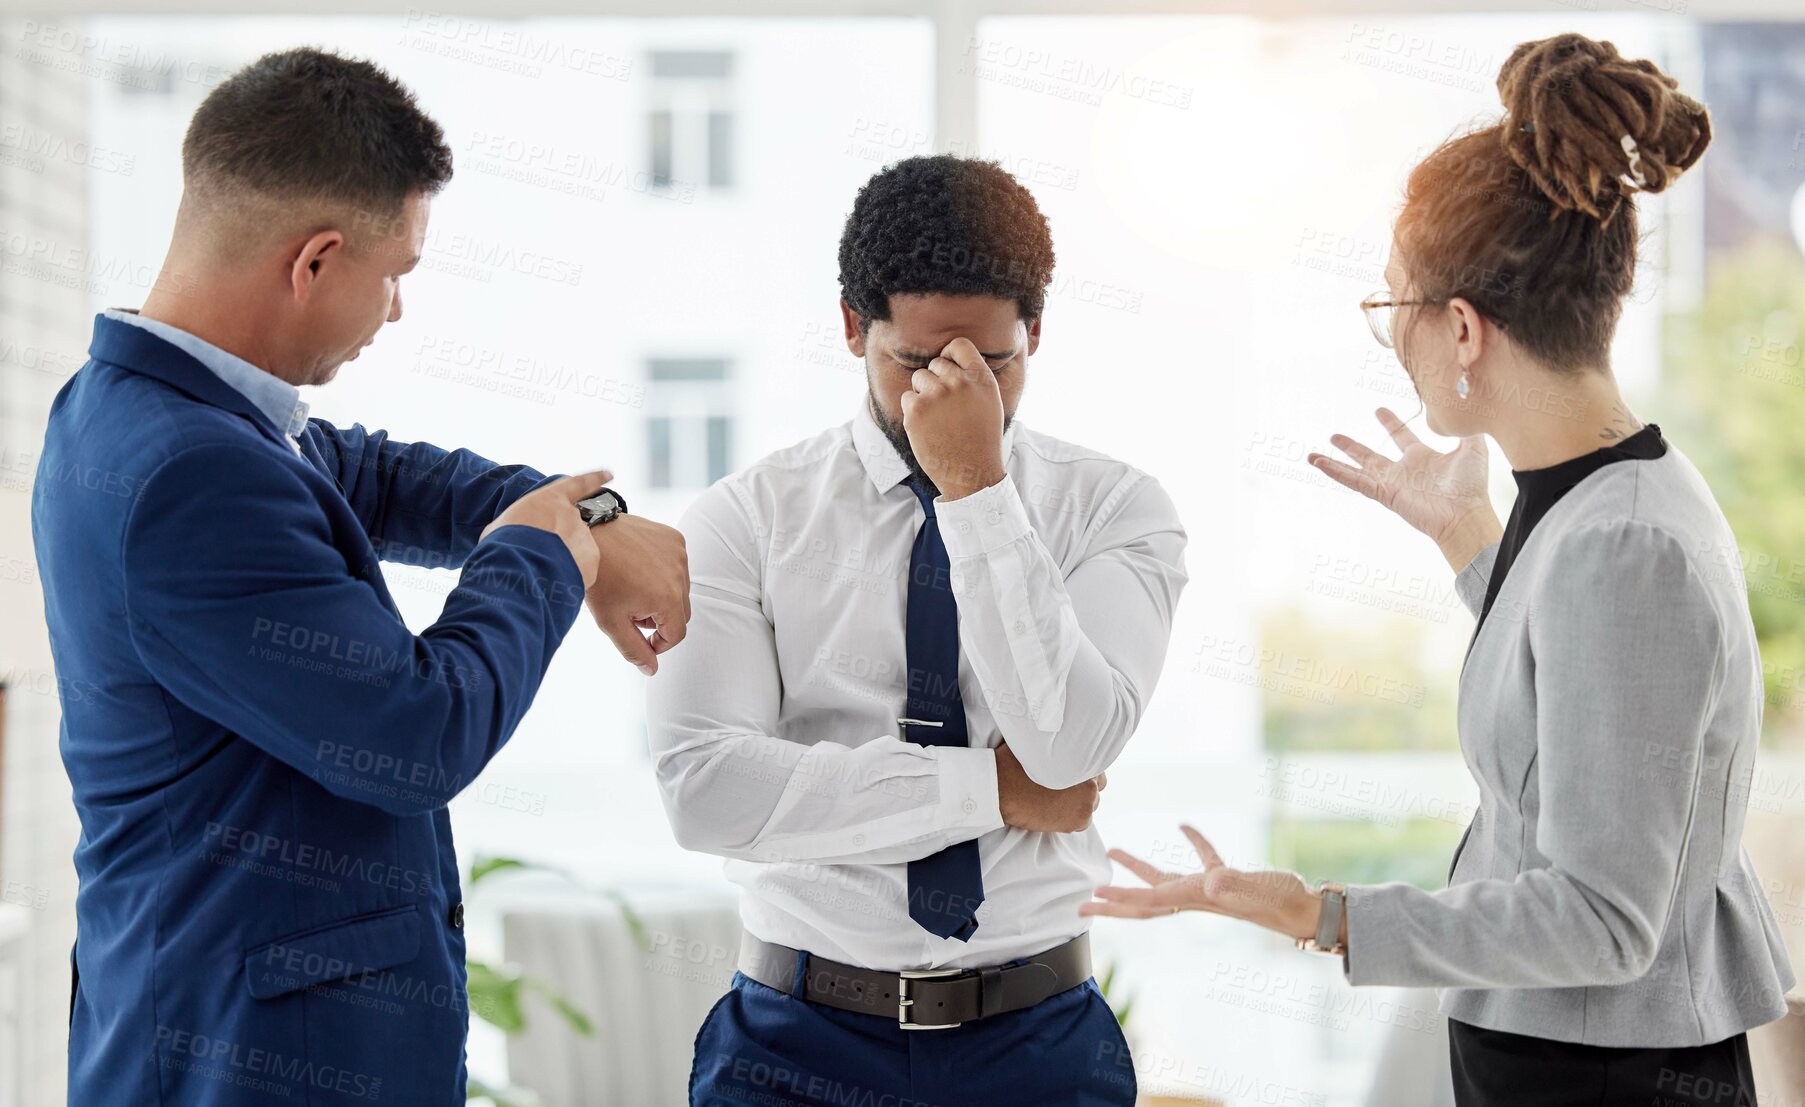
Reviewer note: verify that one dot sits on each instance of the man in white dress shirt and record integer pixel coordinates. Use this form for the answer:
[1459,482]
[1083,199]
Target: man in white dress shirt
[918,640]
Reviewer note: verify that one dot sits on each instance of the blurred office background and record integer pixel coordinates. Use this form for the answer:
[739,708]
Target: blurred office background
[635,267]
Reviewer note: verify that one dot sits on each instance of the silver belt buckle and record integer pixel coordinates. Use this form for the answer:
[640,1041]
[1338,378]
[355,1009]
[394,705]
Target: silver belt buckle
[904,1000]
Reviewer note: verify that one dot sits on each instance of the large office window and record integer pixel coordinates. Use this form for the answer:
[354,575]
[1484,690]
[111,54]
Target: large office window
[691,121]
[689,421]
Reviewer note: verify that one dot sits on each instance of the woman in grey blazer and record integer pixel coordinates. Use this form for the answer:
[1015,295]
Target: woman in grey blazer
[1603,938]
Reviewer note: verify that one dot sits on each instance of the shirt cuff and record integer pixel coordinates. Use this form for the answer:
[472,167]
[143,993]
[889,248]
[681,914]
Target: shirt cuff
[986,520]
[968,789]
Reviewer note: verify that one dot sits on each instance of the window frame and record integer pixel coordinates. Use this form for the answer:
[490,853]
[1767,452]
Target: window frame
[955,22]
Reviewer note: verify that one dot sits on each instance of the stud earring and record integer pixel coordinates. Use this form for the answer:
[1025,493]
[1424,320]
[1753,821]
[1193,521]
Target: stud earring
[1460,386]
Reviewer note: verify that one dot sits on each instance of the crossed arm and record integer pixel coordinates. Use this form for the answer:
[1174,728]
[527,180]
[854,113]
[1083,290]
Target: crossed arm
[1066,689]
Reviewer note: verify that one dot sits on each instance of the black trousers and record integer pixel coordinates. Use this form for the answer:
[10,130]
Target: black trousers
[1493,1068]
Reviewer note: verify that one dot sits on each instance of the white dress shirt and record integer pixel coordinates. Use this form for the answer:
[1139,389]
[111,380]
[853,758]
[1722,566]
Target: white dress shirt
[278,400]
[774,726]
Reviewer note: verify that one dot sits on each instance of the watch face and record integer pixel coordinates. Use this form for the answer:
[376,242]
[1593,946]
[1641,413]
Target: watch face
[600,508]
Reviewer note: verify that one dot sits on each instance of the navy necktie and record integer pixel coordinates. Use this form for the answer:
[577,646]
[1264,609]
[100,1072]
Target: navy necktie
[945,888]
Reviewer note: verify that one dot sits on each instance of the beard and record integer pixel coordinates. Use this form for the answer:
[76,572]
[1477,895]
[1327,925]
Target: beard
[899,438]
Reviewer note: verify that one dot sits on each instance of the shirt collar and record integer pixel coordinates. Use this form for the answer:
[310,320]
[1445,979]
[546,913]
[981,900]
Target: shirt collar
[277,399]
[883,465]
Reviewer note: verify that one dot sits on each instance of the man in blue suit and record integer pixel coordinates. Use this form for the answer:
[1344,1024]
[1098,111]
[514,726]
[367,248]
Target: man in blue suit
[263,752]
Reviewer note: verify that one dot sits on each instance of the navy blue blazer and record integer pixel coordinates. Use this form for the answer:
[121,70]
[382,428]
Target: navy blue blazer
[261,751]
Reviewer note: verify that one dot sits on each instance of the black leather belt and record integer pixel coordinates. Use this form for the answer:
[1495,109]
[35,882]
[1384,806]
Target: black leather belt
[922,999]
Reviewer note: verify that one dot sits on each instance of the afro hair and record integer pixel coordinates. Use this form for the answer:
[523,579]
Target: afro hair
[944,224]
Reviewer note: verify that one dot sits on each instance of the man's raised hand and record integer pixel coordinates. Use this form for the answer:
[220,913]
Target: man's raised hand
[953,413]
[553,507]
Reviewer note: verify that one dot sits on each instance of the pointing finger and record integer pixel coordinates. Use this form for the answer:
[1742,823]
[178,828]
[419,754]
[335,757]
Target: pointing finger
[582,485]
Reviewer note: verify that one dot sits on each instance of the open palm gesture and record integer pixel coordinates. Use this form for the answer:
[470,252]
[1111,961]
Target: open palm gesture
[1441,494]
[1275,900]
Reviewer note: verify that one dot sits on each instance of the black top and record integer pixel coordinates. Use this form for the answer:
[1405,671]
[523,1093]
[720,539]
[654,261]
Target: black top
[1540,489]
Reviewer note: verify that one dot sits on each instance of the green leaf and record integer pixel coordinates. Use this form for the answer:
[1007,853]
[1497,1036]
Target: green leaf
[1106,985]
[476,1089]
[642,937]
[495,993]
[486,866]
[573,1015]
[495,996]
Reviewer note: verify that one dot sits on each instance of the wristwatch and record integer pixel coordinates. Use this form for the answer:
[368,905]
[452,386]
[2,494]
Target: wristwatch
[601,507]
[1328,928]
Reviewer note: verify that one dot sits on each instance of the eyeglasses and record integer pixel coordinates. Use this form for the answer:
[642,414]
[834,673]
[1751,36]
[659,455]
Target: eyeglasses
[1381,310]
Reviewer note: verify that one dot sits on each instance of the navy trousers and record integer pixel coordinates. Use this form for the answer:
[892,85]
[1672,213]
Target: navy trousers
[763,1047]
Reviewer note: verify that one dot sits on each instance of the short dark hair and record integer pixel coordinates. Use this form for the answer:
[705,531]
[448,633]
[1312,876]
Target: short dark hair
[944,224]
[311,124]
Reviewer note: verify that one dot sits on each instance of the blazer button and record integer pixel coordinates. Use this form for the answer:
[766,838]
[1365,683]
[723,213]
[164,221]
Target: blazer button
[457,917]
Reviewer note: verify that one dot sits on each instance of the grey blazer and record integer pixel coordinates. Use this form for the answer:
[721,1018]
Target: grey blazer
[1609,710]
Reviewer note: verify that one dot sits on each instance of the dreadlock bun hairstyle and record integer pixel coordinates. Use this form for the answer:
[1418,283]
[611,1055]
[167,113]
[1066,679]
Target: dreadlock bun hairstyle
[1569,104]
[1532,219]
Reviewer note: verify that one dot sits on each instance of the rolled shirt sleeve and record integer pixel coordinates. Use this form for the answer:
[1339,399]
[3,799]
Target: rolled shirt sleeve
[734,787]
[1067,660]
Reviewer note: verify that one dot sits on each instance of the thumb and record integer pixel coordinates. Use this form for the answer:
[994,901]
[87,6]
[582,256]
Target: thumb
[632,644]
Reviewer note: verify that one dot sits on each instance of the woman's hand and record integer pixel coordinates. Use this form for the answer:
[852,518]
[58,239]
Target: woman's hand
[1442,495]
[1275,900]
